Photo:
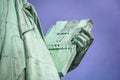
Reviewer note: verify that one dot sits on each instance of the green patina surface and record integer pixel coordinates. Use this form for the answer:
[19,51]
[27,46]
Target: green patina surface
[26,55]
[68,41]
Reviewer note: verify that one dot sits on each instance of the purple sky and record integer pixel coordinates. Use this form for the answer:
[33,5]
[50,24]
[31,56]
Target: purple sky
[102,61]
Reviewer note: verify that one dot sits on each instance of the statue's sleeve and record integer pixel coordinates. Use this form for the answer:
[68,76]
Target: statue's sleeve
[31,12]
[68,42]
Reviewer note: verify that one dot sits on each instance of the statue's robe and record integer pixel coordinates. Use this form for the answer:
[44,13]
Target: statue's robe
[23,53]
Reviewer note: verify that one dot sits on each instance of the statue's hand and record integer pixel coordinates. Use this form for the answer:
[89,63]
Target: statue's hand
[82,42]
[83,39]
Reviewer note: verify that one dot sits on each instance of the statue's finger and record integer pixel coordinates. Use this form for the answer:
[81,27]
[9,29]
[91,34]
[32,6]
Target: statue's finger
[78,43]
[86,37]
[82,40]
[87,33]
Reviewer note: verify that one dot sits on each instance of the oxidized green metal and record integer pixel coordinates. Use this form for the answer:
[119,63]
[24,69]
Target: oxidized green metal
[26,55]
[68,41]
[23,53]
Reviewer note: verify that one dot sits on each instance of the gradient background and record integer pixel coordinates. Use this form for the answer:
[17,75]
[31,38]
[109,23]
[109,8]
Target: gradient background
[102,61]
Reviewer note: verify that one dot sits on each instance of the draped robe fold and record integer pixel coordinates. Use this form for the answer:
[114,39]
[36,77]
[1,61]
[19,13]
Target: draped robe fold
[23,52]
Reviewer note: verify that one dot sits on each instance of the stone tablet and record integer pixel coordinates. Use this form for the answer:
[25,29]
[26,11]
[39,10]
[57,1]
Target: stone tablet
[59,40]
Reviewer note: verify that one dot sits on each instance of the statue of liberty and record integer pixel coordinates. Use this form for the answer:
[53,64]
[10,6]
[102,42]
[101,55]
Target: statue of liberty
[25,54]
